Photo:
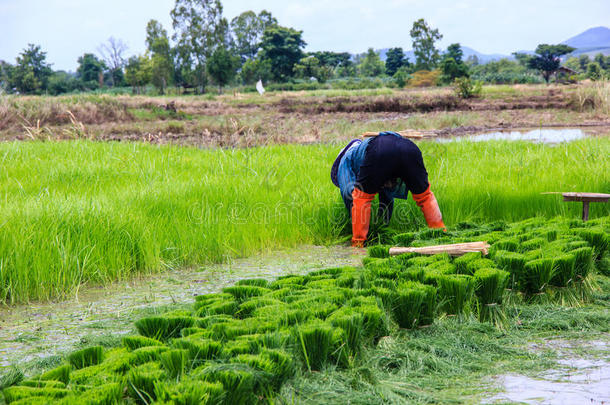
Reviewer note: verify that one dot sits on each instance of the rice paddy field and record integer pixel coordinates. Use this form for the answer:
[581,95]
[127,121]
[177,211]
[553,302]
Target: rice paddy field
[79,212]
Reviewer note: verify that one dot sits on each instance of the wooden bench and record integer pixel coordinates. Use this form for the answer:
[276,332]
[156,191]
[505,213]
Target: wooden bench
[586,198]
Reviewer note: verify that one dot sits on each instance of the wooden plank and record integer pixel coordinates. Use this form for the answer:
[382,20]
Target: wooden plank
[455,249]
[590,197]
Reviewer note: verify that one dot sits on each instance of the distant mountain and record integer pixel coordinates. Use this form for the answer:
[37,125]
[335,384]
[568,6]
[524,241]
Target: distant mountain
[483,58]
[598,37]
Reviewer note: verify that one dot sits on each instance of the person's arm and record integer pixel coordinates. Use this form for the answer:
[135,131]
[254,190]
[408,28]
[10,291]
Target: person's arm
[426,201]
[361,216]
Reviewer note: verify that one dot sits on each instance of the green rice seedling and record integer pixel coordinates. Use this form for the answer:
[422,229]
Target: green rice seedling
[313,342]
[428,307]
[86,357]
[534,254]
[210,320]
[431,233]
[135,342]
[257,282]
[11,377]
[322,284]
[550,234]
[146,354]
[347,281]
[482,263]
[384,282]
[238,380]
[406,304]
[379,251]
[283,367]
[163,328]
[194,331]
[17,393]
[461,262]
[375,319]
[207,298]
[141,382]
[537,276]
[189,392]
[221,307]
[199,350]
[239,346]
[596,237]
[333,271]
[512,262]
[352,323]
[282,315]
[509,244]
[532,244]
[243,292]
[247,307]
[564,270]
[248,326]
[174,362]
[274,367]
[61,373]
[583,264]
[412,274]
[603,264]
[490,285]
[404,239]
[106,394]
[455,292]
[285,281]
[37,383]
[575,244]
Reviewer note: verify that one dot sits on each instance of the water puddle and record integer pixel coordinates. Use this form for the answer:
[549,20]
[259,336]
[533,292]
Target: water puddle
[37,331]
[547,136]
[579,379]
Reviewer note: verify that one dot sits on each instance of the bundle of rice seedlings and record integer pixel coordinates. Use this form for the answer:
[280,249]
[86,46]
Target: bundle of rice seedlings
[532,244]
[141,382]
[282,315]
[475,265]
[230,330]
[322,284]
[333,272]
[431,233]
[90,356]
[313,341]
[146,354]
[243,292]
[13,376]
[412,274]
[163,328]
[564,269]
[257,282]
[189,392]
[274,366]
[135,342]
[603,264]
[106,394]
[236,347]
[217,307]
[512,262]
[380,251]
[509,244]
[38,383]
[61,373]
[461,263]
[404,239]
[490,284]
[352,323]
[25,395]
[583,264]
[210,320]
[550,234]
[455,292]
[247,307]
[174,362]
[287,280]
[596,237]
[199,350]
[575,244]
[239,381]
[534,254]
[406,304]
[199,332]
[375,319]
[537,276]
[347,281]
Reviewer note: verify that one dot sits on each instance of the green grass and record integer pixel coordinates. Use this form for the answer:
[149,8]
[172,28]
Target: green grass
[80,212]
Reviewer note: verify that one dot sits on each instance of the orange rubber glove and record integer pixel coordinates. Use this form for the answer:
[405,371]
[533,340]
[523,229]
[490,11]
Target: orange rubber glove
[429,207]
[361,216]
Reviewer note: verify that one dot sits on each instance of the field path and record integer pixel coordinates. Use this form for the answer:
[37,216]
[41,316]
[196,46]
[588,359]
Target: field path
[37,331]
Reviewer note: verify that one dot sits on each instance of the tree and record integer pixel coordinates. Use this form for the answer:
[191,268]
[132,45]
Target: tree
[522,58]
[395,59]
[138,72]
[62,82]
[222,66]
[90,70]
[371,64]
[452,65]
[594,71]
[31,72]
[401,76]
[256,69]
[572,63]
[282,47]
[199,29]
[112,53]
[307,67]
[424,37]
[584,62]
[547,58]
[157,43]
[248,29]
[601,61]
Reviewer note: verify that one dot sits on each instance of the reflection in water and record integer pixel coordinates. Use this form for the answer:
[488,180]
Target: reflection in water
[549,136]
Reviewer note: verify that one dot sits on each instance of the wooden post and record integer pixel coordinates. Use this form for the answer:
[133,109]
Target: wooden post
[585,211]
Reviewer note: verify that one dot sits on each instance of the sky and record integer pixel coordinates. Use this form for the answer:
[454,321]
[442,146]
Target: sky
[68,28]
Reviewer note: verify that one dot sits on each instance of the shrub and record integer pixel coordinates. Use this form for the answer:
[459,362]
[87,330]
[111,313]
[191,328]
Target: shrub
[465,87]
[425,78]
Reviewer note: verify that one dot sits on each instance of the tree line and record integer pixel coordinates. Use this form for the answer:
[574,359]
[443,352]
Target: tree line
[206,49]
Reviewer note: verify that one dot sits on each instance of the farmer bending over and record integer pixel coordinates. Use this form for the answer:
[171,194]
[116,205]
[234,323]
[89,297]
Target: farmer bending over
[387,164]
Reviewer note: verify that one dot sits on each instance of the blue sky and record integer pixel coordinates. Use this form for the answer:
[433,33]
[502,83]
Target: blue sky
[68,28]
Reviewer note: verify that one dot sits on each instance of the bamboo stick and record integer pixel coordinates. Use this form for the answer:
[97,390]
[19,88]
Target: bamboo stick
[456,249]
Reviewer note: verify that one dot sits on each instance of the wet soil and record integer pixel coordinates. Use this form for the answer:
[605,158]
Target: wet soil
[37,331]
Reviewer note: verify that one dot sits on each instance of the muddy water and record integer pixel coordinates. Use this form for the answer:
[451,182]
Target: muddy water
[37,331]
[583,376]
[547,136]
